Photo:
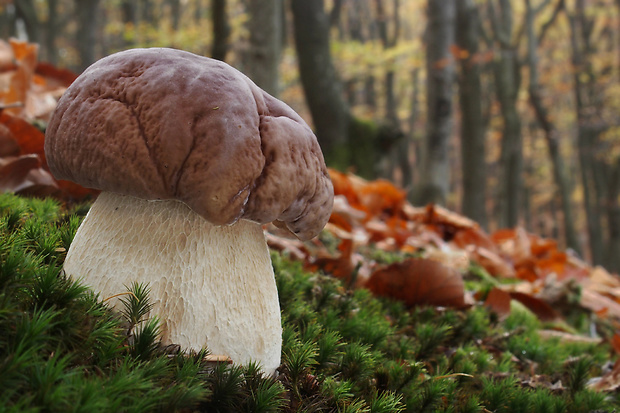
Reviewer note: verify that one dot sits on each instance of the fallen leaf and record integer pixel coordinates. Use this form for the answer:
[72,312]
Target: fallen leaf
[24,175]
[539,307]
[609,381]
[419,281]
[567,337]
[498,301]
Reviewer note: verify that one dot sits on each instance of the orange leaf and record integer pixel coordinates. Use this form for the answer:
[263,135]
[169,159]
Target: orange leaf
[543,310]
[381,196]
[8,145]
[343,186]
[615,342]
[23,175]
[30,139]
[419,281]
[493,263]
[498,301]
[473,236]
[54,76]
[610,381]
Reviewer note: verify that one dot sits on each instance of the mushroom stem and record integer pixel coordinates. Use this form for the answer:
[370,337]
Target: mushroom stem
[211,286]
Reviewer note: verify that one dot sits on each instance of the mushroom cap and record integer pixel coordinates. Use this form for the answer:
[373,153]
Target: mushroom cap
[167,124]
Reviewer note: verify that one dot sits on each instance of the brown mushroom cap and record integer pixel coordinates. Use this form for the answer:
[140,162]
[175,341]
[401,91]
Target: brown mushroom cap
[167,124]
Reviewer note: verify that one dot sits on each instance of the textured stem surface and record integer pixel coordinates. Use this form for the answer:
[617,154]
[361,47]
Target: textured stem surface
[211,286]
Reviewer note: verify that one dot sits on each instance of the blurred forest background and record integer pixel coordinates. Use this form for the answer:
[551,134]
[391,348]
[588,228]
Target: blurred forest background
[507,111]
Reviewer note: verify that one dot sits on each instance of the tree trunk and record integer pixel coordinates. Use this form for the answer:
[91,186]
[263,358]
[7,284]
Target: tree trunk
[435,172]
[51,25]
[388,42]
[323,89]
[472,123]
[148,12]
[86,11]
[587,128]
[221,30]
[263,56]
[175,13]
[346,140]
[507,85]
[552,136]
[26,11]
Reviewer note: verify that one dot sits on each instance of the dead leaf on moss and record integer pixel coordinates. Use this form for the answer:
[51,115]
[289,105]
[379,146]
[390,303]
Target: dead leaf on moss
[539,307]
[419,281]
[498,301]
[24,175]
[610,381]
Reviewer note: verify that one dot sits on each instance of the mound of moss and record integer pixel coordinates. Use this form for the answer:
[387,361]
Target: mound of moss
[63,350]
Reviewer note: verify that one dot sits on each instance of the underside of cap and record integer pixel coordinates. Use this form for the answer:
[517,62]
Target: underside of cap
[166,124]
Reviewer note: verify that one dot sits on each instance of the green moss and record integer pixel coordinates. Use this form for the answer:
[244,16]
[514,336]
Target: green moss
[343,351]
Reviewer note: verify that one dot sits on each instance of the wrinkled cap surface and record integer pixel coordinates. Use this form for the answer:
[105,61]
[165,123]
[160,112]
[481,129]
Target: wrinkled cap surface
[167,124]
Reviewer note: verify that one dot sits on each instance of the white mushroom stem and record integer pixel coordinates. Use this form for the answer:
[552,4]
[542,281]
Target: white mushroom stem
[211,286]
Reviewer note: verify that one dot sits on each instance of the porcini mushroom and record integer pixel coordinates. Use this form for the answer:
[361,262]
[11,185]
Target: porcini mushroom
[192,157]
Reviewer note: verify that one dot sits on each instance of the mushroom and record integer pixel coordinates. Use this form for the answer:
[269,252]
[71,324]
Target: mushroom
[191,158]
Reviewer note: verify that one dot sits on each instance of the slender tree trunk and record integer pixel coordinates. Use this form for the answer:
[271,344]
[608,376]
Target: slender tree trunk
[389,42]
[552,135]
[440,78]
[51,25]
[148,12]
[412,143]
[129,15]
[322,87]
[27,12]
[507,85]
[346,140]
[472,124]
[587,128]
[175,13]
[87,13]
[221,30]
[263,57]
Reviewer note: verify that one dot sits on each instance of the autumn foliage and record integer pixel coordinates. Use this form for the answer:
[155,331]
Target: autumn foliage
[428,252]
[29,91]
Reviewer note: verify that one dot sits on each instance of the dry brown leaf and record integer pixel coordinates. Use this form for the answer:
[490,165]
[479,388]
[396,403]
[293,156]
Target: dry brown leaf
[609,381]
[567,337]
[24,175]
[493,263]
[498,301]
[293,247]
[539,307]
[29,139]
[597,302]
[419,281]
[381,197]
[8,144]
[474,237]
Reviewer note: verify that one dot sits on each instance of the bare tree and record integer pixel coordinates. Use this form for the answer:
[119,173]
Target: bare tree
[322,86]
[221,30]
[346,140]
[86,12]
[507,84]
[263,56]
[589,126]
[435,173]
[552,135]
[26,11]
[472,124]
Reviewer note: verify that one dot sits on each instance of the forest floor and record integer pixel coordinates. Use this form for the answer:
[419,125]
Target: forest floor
[487,345]
[392,308]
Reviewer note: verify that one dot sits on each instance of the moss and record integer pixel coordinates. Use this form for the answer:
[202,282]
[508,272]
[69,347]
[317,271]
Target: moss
[343,351]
